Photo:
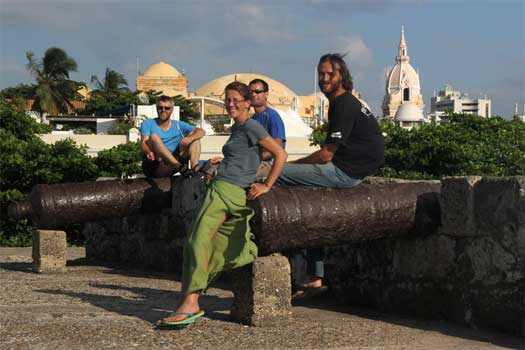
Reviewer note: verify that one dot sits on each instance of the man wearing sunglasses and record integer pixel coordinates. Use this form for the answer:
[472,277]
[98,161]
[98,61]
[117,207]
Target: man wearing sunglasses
[269,119]
[168,144]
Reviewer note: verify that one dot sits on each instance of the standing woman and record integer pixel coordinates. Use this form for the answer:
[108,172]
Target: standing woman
[220,238]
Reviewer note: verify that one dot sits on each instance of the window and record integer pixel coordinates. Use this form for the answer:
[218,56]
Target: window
[406,94]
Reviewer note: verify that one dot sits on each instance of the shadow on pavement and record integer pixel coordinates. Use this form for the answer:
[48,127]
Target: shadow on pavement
[16,266]
[329,303]
[148,304]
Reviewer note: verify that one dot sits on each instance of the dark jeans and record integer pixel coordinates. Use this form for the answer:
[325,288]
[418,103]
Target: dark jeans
[314,262]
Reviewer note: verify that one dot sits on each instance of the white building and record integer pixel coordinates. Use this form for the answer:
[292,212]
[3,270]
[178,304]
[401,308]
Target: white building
[409,116]
[450,100]
[519,116]
[402,84]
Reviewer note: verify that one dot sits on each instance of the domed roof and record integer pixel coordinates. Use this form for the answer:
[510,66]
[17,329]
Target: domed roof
[280,94]
[84,91]
[409,112]
[402,75]
[163,70]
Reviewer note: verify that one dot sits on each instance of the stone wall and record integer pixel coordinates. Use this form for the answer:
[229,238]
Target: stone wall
[469,269]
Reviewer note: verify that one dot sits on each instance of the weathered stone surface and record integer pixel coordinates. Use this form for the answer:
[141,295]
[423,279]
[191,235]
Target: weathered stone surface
[457,205]
[377,180]
[49,251]
[431,258]
[139,241]
[262,292]
[500,204]
[499,307]
[488,261]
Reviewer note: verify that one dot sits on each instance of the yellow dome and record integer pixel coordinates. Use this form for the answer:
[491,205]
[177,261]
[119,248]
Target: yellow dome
[280,94]
[163,70]
[84,91]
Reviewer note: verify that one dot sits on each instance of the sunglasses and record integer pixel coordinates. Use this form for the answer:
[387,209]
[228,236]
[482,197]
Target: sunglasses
[164,108]
[258,91]
[235,102]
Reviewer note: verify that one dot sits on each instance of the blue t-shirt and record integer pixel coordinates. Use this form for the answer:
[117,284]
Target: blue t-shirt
[272,122]
[171,137]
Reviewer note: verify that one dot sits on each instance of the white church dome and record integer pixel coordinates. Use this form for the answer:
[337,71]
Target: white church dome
[402,83]
[402,75]
[409,112]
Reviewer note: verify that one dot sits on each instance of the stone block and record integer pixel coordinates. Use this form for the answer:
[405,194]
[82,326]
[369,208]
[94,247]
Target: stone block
[49,251]
[457,205]
[262,292]
[500,204]
[485,261]
[431,257]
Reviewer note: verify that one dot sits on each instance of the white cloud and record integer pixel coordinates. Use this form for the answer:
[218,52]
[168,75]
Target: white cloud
[359,54]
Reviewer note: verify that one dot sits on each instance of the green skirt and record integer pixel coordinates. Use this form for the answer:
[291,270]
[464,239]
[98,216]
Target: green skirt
[220,238]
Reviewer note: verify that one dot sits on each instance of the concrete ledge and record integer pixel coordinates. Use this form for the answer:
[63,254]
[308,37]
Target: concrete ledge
[49,251]
[262,292]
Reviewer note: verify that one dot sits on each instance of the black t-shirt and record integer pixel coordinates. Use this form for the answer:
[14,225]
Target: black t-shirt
[355,130]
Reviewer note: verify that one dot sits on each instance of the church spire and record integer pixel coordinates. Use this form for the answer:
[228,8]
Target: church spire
[402,52]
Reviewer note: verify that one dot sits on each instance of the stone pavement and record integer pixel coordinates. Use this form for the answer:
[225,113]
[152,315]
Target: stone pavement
[101,307]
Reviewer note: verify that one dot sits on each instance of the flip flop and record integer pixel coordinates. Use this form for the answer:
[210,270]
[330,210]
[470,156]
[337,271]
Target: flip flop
[310,292]
[188,320]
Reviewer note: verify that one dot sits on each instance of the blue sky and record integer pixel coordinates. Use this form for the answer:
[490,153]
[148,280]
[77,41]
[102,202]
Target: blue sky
[477,46]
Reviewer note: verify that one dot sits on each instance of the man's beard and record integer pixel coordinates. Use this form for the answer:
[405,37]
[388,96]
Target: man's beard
[332,87]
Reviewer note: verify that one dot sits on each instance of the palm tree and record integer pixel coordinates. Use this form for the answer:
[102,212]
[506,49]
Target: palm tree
[112,84]
[151,96]
[54,91]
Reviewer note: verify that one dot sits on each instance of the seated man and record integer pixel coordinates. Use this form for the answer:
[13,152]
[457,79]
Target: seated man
[354,149]
[168,144]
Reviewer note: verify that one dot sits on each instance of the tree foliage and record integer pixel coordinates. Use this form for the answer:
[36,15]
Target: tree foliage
[112,83]
[110,93]
[150,96]
[188,111]
[120,161]
[120,128]
[21,91]
[18,124]
[25,161]
[54,90]
[318,135]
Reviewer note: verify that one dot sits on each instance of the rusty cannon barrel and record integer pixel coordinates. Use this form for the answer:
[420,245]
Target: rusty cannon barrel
[57,206]
[299,217]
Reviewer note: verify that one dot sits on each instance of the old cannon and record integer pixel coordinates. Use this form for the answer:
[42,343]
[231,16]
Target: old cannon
[286,217]
[298,217]
[57,206]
